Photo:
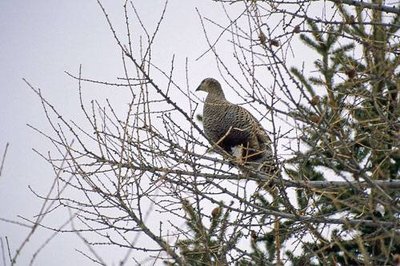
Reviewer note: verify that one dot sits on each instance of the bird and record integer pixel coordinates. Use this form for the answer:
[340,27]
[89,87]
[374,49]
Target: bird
[234,130]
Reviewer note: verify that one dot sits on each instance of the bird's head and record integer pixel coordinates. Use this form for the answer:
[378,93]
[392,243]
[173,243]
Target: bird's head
[211,86]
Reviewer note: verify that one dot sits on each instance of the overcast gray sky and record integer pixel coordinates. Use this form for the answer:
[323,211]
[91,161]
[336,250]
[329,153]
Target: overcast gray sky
[41,39]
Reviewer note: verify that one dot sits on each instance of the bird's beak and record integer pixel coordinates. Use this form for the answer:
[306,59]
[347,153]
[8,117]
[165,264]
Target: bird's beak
[199,88]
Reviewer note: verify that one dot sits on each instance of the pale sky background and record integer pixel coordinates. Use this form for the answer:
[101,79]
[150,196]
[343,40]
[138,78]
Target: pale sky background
[41,39]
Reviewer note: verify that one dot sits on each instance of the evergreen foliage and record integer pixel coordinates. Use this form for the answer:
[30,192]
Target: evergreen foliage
[350,124]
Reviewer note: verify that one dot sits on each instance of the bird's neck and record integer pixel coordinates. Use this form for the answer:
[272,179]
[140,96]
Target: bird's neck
[215,97]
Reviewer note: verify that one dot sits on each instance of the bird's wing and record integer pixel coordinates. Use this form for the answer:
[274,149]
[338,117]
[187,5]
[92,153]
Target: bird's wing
[257,128]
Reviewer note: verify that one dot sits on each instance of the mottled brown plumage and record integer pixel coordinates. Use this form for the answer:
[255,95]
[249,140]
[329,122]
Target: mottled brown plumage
[233,128]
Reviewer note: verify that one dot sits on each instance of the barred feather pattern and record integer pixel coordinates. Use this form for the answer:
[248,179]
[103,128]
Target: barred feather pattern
[234,129]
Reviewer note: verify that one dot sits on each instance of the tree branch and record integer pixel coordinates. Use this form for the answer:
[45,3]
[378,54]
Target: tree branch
[387,9]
